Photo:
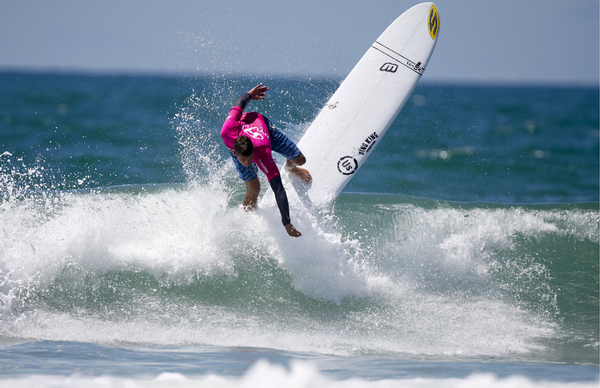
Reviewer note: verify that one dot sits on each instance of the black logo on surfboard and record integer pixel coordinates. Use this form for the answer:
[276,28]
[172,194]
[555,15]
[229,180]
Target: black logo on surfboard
[389,67]
[368,144]
[347,165]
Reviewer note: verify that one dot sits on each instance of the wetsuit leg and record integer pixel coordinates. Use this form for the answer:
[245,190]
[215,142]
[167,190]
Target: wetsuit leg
[280,143]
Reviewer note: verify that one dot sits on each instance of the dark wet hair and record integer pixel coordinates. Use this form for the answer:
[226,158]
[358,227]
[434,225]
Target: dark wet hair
[243,146]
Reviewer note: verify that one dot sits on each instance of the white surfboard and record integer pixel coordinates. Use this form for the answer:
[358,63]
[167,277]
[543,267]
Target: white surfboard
[356,117]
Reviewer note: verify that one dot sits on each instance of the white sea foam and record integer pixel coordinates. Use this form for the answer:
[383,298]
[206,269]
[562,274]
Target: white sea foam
[164,231]
[427,283]
[299,375]
[318,261]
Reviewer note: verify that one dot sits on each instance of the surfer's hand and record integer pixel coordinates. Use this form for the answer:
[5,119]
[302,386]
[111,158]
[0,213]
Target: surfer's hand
[292,231]
[258,92]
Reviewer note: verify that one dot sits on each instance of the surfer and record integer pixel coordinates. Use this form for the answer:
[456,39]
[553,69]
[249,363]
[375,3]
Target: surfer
[250,138]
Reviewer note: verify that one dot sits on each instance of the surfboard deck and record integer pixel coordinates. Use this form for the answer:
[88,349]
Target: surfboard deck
[353,121]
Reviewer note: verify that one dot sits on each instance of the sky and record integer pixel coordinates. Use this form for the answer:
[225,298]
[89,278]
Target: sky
[480,41]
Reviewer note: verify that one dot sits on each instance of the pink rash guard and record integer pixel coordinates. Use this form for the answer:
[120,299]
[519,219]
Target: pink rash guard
[251,124]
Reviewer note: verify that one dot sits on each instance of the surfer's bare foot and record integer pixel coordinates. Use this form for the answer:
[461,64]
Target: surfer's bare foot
[300,172]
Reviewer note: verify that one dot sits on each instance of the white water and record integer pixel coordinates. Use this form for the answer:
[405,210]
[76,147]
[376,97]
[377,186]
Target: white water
[299,375]
[424,278]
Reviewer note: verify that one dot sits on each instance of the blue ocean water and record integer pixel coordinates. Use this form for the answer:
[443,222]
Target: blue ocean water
[463,252]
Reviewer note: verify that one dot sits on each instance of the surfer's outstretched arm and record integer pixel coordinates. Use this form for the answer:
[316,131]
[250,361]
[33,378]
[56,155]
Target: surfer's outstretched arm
[283,205]
[256,93]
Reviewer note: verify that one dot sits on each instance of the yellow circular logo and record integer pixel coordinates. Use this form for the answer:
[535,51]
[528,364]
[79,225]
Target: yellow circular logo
[433,22]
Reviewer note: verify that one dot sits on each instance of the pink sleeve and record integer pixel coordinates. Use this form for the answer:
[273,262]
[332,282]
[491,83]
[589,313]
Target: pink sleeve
[232,127]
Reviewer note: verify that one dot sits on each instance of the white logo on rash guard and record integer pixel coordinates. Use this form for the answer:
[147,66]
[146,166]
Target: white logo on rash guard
[255,133]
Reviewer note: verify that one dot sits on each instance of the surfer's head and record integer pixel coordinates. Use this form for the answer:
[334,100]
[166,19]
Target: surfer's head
[244,150]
